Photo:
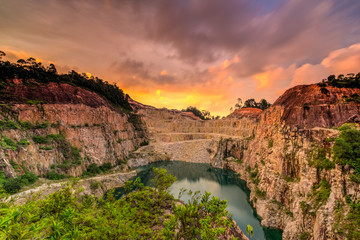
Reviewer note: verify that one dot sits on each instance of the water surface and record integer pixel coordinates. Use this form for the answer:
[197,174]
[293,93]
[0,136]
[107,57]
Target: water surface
[221,183]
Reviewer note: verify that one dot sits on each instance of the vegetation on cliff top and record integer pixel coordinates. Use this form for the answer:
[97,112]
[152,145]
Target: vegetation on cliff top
[251,103]
[30,70]
[341,81]
[143,213]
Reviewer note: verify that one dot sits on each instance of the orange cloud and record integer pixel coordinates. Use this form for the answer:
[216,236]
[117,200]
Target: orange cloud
[341,61]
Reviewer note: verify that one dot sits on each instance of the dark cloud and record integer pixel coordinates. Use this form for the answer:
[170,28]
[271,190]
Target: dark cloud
[133,72]
[185,37]
[296,30]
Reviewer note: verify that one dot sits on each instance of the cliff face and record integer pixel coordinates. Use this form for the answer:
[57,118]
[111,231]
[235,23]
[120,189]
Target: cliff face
[246,112]
[276,163]
[272,152]
[65,128]
[309,106]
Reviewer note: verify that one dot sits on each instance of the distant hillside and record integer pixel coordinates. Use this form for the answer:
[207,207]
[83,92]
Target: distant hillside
[33,74]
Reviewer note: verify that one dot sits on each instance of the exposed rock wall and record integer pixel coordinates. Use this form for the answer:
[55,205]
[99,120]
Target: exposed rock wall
[308,106]
[101,133]
[272,154]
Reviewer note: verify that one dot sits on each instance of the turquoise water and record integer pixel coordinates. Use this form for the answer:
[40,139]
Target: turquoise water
[221,183]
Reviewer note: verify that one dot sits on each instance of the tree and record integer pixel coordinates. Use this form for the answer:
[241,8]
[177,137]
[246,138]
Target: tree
[2,54]
[250,103]
[263,104]
[52,69]
[204,114]
[239,104]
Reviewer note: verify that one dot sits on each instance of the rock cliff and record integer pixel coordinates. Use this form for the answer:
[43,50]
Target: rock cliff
[65,128]
[61,127]
[272,152]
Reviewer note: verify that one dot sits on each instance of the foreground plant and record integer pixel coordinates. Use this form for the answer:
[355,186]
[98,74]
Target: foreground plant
[140,214]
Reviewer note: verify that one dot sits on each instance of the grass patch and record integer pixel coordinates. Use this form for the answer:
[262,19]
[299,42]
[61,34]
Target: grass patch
[321,192]
[320,161]
[8,124]
[8,143]
[23,142]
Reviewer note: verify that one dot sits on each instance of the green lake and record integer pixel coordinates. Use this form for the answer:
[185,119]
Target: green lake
[221,183]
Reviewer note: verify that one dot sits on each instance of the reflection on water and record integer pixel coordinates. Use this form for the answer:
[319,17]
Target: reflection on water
[221,183]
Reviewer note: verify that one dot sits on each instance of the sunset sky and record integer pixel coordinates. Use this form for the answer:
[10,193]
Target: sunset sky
[177,53]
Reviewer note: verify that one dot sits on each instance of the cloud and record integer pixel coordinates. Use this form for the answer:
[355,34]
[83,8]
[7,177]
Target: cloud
[341,61]
[204,53]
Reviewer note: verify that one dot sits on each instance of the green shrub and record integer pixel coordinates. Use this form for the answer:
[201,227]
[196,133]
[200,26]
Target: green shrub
[64,166]
[270,143]
[65,215]
[105,167]
[8,143]
[94,185]
[8,124]
[305,236]
[23,142]
[54,137]
[13,185]
[40,139]
[75,155]
[45,148]
[259,193]
[26,125]
[33,102]
[346,149]
[321,192]
[53,175]
[144,143]
[320,161]
[14,164]
[28,178]
[93,169]
[42,125]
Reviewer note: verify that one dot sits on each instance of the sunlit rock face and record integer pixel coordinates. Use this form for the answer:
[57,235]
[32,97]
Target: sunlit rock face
[309,106]
[102,133]
[246,112]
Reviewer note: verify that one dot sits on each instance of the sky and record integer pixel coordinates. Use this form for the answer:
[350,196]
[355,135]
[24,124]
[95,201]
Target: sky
[179,53]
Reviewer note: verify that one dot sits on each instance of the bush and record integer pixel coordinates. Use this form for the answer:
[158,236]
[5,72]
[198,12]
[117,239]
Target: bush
[144,143]
[270,143]
[53,175]
[45,148]
[23,142]
[65,215]
[346,149]
[93,169]
[94,185]
[8,124]
[8,143]
[40,139]
[12,185]
[26,125]
[105,167]
[259,193]
[320,161]
[321,192]
[42,125]
[28,178]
